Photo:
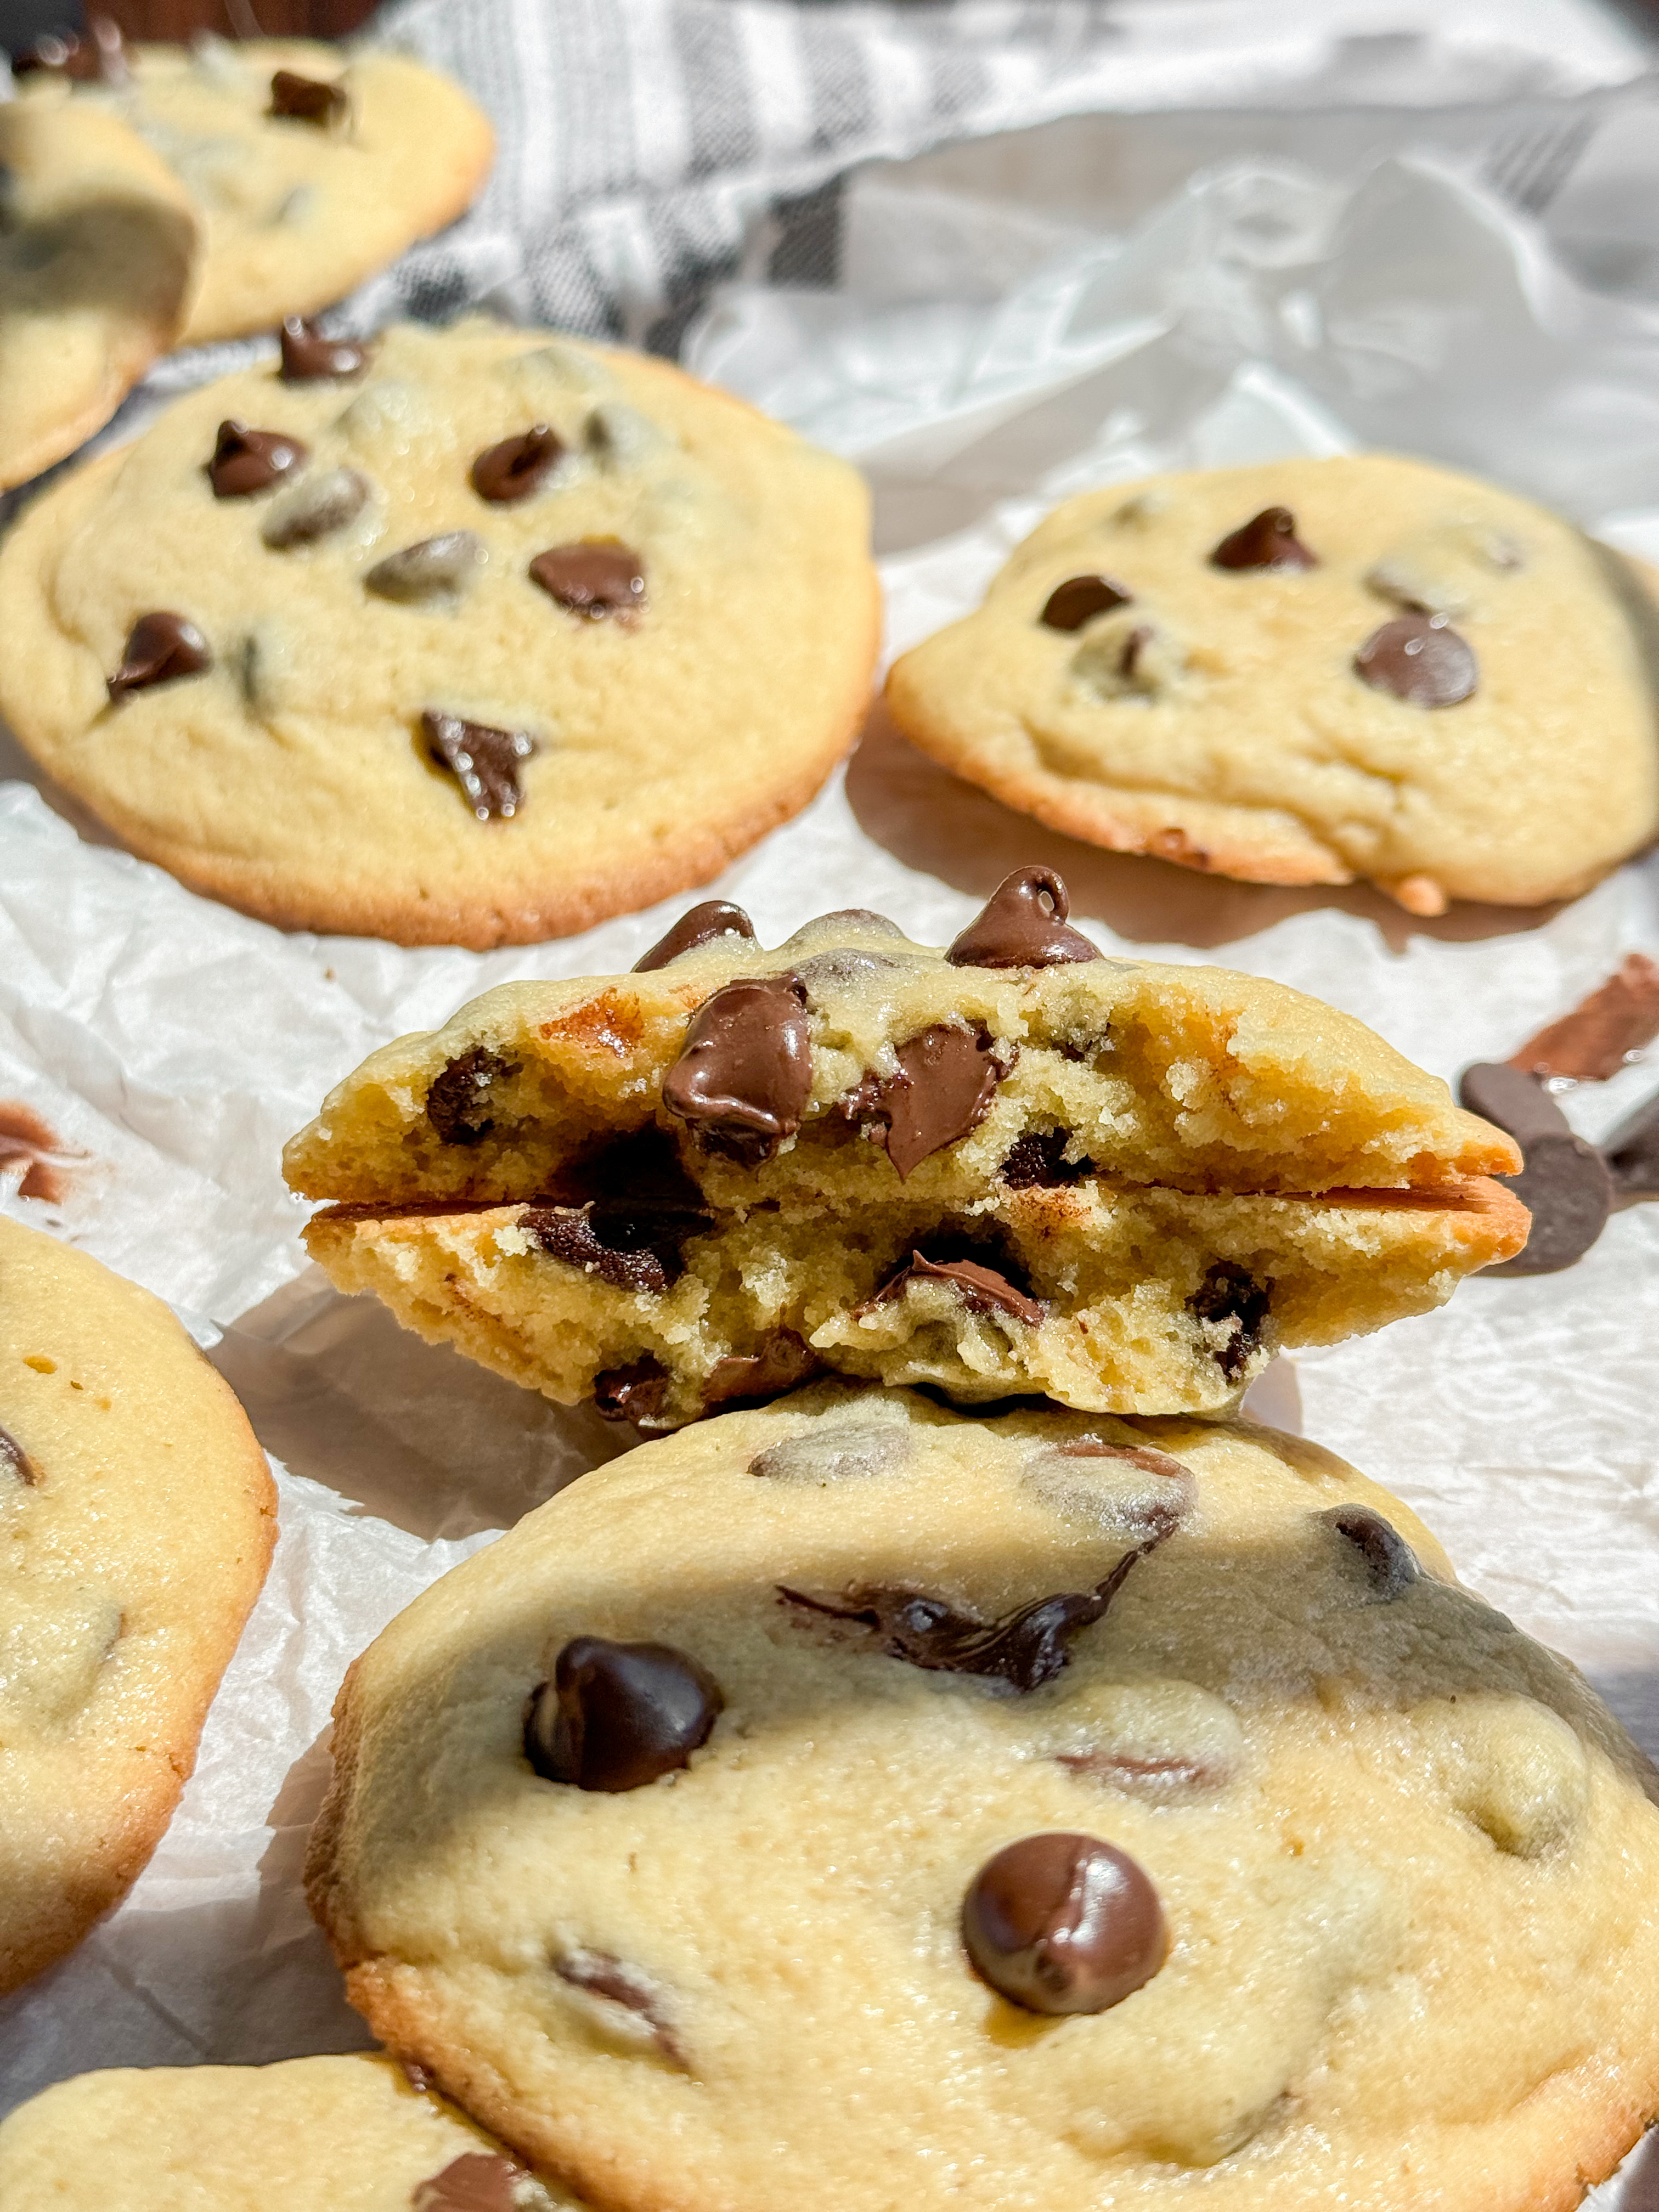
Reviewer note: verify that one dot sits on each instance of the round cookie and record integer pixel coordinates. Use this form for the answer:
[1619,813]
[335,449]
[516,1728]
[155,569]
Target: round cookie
[381,664]
[97,260]
[1404,1868]
[1310,671]
[138,1517]
[310,169]
[309,2135]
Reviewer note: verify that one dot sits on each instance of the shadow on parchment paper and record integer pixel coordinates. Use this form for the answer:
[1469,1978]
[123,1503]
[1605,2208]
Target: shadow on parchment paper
[931,820]
[16,767]
[1640,2178]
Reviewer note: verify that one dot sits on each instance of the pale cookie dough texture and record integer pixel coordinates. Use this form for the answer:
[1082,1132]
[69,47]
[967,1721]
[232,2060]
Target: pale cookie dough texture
[366,713]
[1406,1863]
[310,2135]
[297,209]
[136,1520]
[1216,714]
[97,260]
[1119,1184]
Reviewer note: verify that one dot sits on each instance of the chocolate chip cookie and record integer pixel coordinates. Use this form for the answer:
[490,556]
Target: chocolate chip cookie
[350,2135]
[473,635]
[1308,672]
[310,169]
[854,1798]
[138,1517]
[1015,1165]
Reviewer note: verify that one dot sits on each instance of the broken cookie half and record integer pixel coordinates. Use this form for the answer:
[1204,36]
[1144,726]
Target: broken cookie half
[1014,1166]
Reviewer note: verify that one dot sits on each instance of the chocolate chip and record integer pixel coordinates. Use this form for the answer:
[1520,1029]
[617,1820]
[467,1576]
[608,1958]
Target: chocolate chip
[626,1242]
[862,920]
[1037,1160]
[750,1378]
[1063,1923]
[1079,598]
[308,357]
[744,1073]
[1267,540]
[1022,926]
[704,925]
[15,1462]
[1145,1515]
[1390,1563]
[1024,1649]
[100,57]
[317,506]
[1231,1298]
[1603,1032]
[1153,1777]
[160,647]
[617,1715]
[308,98]
[246,461]
[477,2181]
[1631,1153]
[982,1290]
[1500,1093]
[596,577]
[604,1975]
[947,1077]
[833,971]
[432,568]
[484,762]
[1564,1182]
[458,1102]
[636,1392]
[821,1454]
[517,466]
[1420,660]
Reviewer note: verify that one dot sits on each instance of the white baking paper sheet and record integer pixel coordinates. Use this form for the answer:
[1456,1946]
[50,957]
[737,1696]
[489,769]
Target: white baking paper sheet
[1260,311]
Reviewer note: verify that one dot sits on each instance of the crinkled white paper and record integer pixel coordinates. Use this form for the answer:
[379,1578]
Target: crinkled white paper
[1263,311]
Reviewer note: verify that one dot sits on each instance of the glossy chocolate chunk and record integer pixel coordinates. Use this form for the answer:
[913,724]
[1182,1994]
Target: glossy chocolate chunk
[14,1463]
[1037,1160]
[744,1073]
[486,762]
[457,1104]
[1390,1563]
[477,2181]
[782,1361]
[1614,1025]
[1063,1923]
[1420,660]
[101,56]
[617,1715]
[1080,599]
[1564,1182]
[596,577]
[982,1290]
[947,1077]
[636,1392]
[627,1240]
[1022,926]
[438,567]
[308,357]
[517,466]
[308,98]
[1024,1648]
[1267,540]
[1229,1294]
[246,461]
[317,506]
[160,647]
[602,1974]
[1631,1153]
[704,925]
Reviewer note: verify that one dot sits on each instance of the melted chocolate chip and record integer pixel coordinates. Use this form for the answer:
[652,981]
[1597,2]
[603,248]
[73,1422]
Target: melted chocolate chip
[604,1975]
[1022,926]
[744,1073]
[438,567]
[1632,1154]
[308,357]
[1024,1648]
[630,1243]
[617,1715]
[1080,599]
[705,925]
[160,647]
[1267,540]
[1145,1518]
[750,1378]
[982,1290]
[317,506]
[1063,1923]
[1231,1296]
[636,1392]
[15,1462]
[457,1105]
[947,1077]
[1612,1026]
[517,466]
[246,461]
[484,762]
[822,1454]
[101,57]
[1390,1563]
[1564,1182]
[1420,660]
[1037,1160]
[596,577]
[477,2181]
[308,98]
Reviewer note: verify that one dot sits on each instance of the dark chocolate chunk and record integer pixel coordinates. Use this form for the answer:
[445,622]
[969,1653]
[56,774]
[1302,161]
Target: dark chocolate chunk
[308,98]
[636,1392]
[1063,1923]
[160,646]
[1024,1648]
[1080,599]
[477,2181]
[1037,1160]
[438,567]
[318,505]
[308,357]
[595,577]
[15,1462]
[744,1073]
[457,1104]
[704,925]
[1564,1182]
[1230,1295]
[1390,1562]
[1267,540]
[1604,1032]
[1631,1153]
[484,762]
[947,1077]
[627,1241]
[982,1290]
[517,466]
[246,461]
[101,56]
[748,1378]
[604,1975]
[617,1715]
[1515,1102]
[1420,660]
[1022,926]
